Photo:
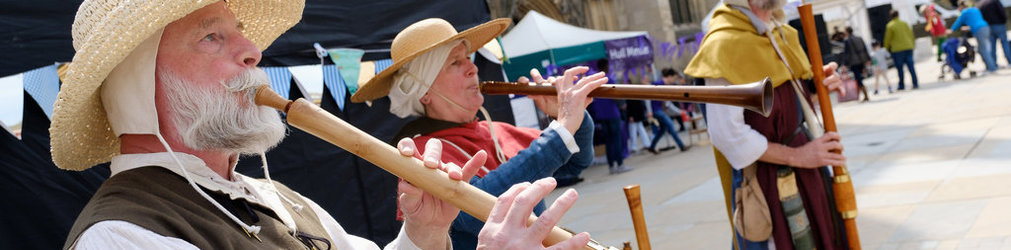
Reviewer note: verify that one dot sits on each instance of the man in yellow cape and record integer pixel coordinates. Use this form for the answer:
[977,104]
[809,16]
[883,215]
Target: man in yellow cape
[748,41]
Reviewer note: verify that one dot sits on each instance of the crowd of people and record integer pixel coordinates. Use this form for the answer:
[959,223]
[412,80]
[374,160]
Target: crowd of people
[625,122]
[985,20]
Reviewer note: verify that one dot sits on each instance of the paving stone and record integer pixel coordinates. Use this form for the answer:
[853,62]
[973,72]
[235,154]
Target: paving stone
[996,143]
[876,225]
[904,173]
[994,220]
[991,243]
[939,221]
[948,245]
[969,243]
[972,187]
[894,194]
[930,244]
[910,245]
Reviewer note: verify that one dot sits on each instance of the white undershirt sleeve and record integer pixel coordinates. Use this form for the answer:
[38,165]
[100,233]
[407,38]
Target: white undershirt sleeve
[347,241]
[342,240]
[566,135]
[117,234]
[741,144]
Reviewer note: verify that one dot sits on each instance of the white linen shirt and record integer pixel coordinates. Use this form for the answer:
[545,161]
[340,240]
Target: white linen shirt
[116,234]
[740,144]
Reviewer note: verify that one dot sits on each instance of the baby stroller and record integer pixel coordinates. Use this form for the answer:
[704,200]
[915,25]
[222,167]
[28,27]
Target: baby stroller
[957,55]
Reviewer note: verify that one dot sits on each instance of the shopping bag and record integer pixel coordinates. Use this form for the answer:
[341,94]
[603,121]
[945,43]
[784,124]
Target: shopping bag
[850,85]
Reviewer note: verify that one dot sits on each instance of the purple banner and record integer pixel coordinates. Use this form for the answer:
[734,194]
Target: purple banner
[629,53]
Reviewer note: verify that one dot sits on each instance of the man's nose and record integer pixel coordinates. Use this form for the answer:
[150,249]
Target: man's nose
[247,53]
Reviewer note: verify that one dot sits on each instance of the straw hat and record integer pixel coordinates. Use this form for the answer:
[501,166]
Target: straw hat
[104,33]
[419,38]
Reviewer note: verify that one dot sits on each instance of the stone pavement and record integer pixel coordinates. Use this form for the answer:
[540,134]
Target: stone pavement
[931,168]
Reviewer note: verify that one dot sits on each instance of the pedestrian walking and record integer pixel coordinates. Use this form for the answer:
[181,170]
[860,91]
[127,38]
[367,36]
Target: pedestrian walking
[856,58]
[879,65]
[899,41]
[994,15]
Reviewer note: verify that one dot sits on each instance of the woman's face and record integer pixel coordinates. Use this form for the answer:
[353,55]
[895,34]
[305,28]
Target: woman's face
[457,81]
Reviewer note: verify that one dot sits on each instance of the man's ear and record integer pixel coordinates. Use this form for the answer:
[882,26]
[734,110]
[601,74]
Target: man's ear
[426,99]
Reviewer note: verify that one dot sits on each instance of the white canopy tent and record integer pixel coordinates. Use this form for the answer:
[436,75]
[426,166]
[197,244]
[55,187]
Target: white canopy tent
[537,32]
[538,41]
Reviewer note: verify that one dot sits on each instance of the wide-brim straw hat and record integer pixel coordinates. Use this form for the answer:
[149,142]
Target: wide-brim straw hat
[419,38]
[104,33]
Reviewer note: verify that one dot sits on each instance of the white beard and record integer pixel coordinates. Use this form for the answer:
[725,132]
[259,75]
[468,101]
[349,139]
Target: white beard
[222,118]
[769,5]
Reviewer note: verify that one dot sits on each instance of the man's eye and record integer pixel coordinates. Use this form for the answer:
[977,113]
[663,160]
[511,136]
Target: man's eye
[210,37]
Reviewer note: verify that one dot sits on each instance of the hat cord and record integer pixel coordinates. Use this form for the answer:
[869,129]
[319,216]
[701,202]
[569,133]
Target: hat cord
[249,229]
[491,128]
[295,206]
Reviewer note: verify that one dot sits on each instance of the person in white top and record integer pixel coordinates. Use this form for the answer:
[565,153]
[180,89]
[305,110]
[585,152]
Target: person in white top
[163,89]
[879,59]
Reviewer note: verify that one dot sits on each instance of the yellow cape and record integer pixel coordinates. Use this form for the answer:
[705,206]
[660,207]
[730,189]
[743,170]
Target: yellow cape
[734,50]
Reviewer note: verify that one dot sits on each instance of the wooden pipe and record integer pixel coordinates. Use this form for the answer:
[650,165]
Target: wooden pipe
[310,118]
[756,96]
[842,187]
[638,220]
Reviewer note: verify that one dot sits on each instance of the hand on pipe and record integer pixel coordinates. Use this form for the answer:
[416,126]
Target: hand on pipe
[820,152]
[507,227]
[571,100]
[832,80]
[427,218]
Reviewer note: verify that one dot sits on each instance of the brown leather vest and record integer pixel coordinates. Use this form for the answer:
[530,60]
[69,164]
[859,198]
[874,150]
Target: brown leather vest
[163,202]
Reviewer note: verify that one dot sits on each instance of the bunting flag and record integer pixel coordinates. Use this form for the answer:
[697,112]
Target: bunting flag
[309,79]
[280,80]
[366,72]
[348,62]
[12,100]
[333,81]
[43,84]
[383,64]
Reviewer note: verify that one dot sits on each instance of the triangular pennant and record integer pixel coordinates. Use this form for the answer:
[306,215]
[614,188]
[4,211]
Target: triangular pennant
[280,80]
[366,72]
[310,79]
[333,81]
[43,84]
[348,61]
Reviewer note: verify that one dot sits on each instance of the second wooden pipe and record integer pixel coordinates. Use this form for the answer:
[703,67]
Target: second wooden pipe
[310,118]
[842,187]
[638,220]
[756,96]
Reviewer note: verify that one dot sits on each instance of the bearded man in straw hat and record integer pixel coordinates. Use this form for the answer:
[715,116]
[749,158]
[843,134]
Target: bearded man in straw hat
[747,41]
[164,89]
[433,77]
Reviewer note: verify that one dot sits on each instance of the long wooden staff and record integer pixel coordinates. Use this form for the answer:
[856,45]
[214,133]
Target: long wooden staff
[311,118]
[845,198]
[638,220]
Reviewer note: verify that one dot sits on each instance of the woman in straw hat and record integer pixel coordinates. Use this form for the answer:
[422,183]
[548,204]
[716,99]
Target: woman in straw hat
[432,77]
[163,89]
